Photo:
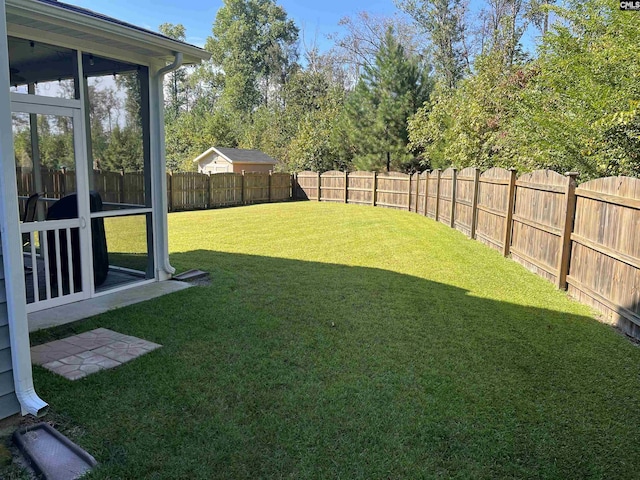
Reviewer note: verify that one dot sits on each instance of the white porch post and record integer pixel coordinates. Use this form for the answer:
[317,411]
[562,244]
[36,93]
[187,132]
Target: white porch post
[12,245]
[159,173]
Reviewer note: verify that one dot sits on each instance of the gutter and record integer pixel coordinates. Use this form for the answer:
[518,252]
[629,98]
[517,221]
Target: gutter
[177,63]
[30,402]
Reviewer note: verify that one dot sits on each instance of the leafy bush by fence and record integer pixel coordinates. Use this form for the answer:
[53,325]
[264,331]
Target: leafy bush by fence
[582,238]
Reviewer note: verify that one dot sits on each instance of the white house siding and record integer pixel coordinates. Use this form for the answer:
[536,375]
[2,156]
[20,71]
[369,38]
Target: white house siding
[8,401]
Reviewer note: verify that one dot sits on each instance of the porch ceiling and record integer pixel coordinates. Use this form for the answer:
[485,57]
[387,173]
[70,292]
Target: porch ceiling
[34,62]
[75,27]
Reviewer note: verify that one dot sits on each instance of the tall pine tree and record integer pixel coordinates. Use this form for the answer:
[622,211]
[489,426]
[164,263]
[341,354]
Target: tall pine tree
[388,93]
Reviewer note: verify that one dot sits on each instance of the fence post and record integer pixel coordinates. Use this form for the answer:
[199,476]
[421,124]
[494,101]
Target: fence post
[270,177]
[437,194]
[454,185]
[294,186]
[209,202]
[565,240]
[242,191]
[375,188]
[346,187]
[426,191]
[121,187]
[319,186]
[474,202]
[509,216]
[417,191]
[409,196]
[170,191]
[63,182]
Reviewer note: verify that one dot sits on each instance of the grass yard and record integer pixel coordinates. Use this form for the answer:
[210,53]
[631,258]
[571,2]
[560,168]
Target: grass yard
[338,341]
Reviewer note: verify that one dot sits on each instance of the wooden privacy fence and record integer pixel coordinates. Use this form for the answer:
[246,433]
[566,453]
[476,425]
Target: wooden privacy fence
[604,267]
[185,191]
[54,183]
[197,191]
[582,238]
[113,187]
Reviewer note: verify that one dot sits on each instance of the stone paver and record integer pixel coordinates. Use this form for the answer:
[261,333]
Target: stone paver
[89,352]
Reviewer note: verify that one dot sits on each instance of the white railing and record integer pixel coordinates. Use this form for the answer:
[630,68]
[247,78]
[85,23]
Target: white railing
[50,246]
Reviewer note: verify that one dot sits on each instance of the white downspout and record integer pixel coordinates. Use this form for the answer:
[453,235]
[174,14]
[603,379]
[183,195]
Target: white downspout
[12,247]
[158,115]
[176,64]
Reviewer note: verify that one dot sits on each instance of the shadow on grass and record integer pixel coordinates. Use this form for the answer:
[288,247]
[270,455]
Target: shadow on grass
[133,261]
[284,368]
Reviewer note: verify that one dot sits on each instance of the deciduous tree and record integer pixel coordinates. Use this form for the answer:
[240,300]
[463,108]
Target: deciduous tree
[253,44]
[443,21]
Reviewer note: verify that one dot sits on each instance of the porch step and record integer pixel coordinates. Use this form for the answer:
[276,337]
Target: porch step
[192,276]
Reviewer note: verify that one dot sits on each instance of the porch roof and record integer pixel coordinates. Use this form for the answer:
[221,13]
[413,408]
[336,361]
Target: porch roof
[72,26]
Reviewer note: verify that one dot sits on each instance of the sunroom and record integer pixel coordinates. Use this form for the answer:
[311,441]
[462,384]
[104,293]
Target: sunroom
[84,190]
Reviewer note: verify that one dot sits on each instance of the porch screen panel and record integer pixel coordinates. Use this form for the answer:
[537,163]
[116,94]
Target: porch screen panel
[118,148]
[128,250]
[117,97]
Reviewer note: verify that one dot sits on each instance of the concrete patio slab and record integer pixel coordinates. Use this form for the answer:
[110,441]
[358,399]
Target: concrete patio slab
[73,312]
[102,349]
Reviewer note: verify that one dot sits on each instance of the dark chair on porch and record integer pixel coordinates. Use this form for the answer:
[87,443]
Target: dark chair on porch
[30,209]
[66,208]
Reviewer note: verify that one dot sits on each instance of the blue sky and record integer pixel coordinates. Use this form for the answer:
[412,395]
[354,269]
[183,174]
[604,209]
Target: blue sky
[316,18]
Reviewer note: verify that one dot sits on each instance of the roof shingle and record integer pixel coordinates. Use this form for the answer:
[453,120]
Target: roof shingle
[243,155]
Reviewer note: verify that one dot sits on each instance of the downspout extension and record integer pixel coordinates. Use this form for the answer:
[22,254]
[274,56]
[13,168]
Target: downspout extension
[30,402]
[177,63]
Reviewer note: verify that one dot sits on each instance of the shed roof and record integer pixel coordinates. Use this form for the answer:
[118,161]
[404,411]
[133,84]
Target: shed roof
[94,31]
[240,155]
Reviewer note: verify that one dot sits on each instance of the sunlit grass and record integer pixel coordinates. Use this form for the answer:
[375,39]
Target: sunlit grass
[126,239]
[338,341]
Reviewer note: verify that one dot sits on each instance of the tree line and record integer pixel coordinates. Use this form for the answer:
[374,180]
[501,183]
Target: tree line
[519,83]
[516,83]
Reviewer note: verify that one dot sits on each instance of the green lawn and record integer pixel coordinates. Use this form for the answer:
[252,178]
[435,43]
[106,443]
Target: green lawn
[338,341]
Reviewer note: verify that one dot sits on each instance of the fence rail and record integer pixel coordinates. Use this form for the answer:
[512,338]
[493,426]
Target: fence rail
[582,238]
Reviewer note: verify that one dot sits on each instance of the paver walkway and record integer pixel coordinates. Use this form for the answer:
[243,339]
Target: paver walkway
[89,352]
